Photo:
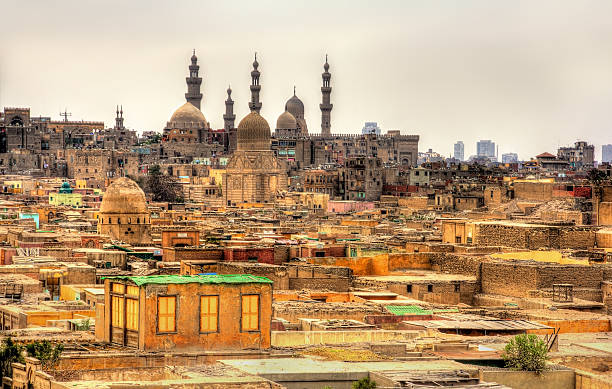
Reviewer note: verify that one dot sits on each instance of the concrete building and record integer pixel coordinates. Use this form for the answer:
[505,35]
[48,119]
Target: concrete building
[509,158]
[606,153]
[370,128]
[200,312]
[486,148]
[459,151]
[581,155]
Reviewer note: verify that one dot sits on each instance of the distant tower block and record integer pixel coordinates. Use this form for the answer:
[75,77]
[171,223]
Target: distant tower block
[326,105]
[194,82]
[229,117]
[255,104]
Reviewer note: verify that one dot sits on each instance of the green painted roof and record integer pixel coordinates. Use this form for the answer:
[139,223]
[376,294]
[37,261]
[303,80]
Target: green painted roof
[415,310]
[198,279]
[408,310]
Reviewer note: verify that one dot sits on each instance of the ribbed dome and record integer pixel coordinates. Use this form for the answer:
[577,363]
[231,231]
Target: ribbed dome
[286,121]
[188,113]
[295,106]
[253,133]
[123,196]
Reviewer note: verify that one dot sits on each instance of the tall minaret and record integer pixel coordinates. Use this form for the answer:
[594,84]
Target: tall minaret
[255,104]
[229,117]
[193,94]
[326,106]
[119,119]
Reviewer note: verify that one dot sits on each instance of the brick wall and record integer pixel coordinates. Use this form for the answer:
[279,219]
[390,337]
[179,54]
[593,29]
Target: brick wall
[508,279]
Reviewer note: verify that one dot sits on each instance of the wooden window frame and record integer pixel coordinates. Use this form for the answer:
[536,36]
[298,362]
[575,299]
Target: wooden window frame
[176,300]
[258,312]
[200,313]
[137,301]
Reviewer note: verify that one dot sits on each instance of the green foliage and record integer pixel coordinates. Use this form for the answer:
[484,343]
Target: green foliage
[596,177]
[84,325]
[364,383]
[162,187]
[46,353]
[527,353]
[10,352]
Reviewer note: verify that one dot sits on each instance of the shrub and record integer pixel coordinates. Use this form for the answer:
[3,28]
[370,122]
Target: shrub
[527,353]
[9,352]
[364,383]
[46,353]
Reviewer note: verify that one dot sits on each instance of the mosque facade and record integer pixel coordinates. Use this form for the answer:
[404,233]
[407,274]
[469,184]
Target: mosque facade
[253,173]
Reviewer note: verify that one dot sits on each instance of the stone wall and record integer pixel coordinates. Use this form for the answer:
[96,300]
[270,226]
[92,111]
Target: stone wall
[508,279]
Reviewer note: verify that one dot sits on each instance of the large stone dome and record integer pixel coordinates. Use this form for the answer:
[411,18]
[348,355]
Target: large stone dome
[123,196]
[187,113]
[295,106]
[286,121]
[253,133]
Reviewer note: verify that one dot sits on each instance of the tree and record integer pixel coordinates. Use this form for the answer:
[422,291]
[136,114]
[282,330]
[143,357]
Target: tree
[364,383]
[10,352]
[527,353]
[162,187]
[596,177]
[46,353]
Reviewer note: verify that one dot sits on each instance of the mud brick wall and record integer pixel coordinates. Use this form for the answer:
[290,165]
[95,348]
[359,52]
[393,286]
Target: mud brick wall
[459,264]
[579,276]
[333,278]
[177,254]
[577,238]
[508,279]
[278,274]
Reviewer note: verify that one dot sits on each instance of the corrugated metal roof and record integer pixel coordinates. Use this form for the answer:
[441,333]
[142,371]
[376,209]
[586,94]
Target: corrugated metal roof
[196,279]
[491,325]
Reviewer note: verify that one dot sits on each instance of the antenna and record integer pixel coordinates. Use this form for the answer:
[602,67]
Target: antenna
[65,114]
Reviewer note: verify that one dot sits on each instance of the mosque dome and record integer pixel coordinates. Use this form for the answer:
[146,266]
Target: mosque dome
[286,121]
[253,133]
[188,113]
[65,188]
[295,106]
[123,196]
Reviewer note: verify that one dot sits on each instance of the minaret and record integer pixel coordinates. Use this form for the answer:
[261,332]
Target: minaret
[193,94]
[255,104]
[326,106]
[229,117]
[119,119]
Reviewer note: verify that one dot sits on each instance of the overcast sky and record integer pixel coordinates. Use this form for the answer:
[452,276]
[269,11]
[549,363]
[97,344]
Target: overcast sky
[530,75]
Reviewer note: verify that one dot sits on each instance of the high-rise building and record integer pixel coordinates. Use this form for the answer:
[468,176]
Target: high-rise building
[370,128]
[486,148]
[459,151]
[606,153]
[510,158]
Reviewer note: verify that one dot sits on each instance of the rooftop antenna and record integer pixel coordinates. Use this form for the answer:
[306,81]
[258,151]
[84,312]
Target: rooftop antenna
[65,114]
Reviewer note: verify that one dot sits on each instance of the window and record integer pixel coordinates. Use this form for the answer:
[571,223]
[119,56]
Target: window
[209,313]
[166,313]
[457,287]
[250,312]
[131,319]
[409,288]
[117,314]
[429,288]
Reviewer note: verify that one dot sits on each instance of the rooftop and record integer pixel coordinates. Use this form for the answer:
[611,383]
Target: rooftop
[197,279]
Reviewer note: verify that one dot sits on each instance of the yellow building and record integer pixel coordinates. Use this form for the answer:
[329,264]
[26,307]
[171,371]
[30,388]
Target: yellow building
[65,197]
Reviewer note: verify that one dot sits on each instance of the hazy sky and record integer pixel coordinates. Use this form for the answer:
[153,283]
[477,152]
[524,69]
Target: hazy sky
[530,75]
